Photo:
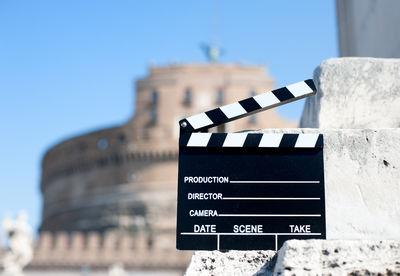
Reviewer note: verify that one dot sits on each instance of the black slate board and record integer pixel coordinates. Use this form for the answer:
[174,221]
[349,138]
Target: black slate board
[256,197]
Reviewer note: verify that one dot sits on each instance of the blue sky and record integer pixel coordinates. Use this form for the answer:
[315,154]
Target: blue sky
[68,67]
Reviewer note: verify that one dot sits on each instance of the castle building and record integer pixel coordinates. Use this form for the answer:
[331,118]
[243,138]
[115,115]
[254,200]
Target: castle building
[125,178]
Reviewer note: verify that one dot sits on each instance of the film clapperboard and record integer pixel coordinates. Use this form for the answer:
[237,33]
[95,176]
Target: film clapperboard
[249,191]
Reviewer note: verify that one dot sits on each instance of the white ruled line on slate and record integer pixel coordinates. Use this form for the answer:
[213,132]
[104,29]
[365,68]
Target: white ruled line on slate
[269,215]
[275,181]
[271,198]
[251,234]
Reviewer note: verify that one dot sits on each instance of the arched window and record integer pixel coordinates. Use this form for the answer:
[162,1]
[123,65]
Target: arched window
[220,97]
[187,100]
[122,138]
[154,98]
[153,117]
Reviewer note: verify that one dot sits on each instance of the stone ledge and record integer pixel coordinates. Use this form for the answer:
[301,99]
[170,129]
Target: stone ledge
[303,257]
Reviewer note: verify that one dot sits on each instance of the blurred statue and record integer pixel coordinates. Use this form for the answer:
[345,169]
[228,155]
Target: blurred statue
[212,52]
[20,251]
[117,269]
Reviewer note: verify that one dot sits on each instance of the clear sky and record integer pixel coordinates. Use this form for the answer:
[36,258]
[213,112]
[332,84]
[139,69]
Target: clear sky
[68,67]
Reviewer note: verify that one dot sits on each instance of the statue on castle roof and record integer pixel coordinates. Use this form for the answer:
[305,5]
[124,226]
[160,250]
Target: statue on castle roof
[212,51]
[20,253]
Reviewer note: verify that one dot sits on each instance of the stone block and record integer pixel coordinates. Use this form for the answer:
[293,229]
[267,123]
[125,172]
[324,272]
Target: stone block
[126,243]
[303,257]
[93,241]
[335,257]
[77,241]
[45,241]
[61,241]
[355,93]
[230,263]
[110,241]
[141,242]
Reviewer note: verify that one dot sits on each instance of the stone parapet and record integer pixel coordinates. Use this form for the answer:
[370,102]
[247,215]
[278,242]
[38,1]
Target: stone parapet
[72,251]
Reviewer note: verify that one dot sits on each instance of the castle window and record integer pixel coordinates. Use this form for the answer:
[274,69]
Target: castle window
[153,118]
[187,100]
[102,143]
[154,98]
[253,118]
[220,97]
[122,138]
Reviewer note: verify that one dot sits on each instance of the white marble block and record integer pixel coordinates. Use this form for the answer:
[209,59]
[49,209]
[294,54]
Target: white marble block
[354,93]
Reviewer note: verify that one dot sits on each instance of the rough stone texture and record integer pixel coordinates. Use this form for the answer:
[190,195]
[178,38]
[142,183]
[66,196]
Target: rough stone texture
[335,257]
[304,257]
[229,263]
[355,93]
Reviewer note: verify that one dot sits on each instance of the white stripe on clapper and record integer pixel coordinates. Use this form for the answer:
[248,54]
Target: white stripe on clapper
[199,139]
[306,140]
[299,89]
[270,140]
[235,140]
[233,110]
[199,120]
[266,99]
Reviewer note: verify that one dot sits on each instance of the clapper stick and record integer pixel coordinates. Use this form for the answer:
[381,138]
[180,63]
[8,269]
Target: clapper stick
[249,106]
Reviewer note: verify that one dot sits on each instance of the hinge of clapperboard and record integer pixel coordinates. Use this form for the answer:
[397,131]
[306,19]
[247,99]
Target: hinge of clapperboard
[227,113]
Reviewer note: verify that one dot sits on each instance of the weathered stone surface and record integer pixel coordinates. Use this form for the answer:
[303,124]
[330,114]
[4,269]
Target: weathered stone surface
[304,257]
[335,257]
[230,263]
[355,93]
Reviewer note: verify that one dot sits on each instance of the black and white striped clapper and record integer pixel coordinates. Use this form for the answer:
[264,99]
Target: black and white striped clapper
[249,191]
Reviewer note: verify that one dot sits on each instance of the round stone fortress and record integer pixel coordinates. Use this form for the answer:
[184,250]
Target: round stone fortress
[125,177]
